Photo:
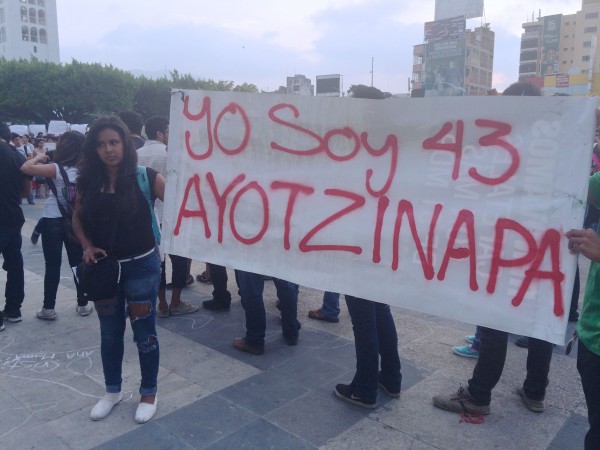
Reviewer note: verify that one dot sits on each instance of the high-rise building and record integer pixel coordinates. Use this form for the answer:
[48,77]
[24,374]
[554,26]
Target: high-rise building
[561,53]
[29,29]
[468,54]
[300,85]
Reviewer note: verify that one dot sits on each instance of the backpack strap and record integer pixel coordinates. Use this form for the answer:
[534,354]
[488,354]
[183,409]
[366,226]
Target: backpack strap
[144,184]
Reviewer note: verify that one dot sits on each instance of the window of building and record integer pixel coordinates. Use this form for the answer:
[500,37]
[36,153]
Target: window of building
[566,49]
[1,15]
[42,3]
[587,44]
[529,43]
[23,14]
[585,58]
[32,2]
[43,36]
[590,29]
[32,15]
[564,62]
[592,15]
[33,33]
[2,34]
[25,33]
[41,17]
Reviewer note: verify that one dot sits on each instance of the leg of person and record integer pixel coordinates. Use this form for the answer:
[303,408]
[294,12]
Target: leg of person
[390,377]
[163,306]
[221,300]
[573,313]
[588,365]
[75,255]
[287,294]
[10,244]
[52,243]
[179,278]
[329,310]
[538,366]
[111,314]
[37,231]
[251,291]
[362,390]
[141,279]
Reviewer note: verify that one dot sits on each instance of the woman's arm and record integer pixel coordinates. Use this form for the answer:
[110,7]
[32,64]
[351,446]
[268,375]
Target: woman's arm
[89,251]
[36,167]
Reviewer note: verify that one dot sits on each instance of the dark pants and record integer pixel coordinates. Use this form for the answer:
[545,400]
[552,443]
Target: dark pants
[179,271]
[588,365]
[53,237]
[492,354]
[218,276]
[374,336]
[10,247]
[251,289]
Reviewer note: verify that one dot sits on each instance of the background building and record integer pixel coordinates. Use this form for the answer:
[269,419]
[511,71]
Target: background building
[299,85]
[329,85]
[29,29]
[560,53]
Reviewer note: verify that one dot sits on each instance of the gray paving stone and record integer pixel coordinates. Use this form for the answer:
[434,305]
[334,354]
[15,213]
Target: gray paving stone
[152,436]
[571,435]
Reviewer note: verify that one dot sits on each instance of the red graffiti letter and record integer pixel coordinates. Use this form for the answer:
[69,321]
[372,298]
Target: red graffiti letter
[274,118]
[391,144]
[382,206]
[357,202]
[265,207]
[466,218]
[183,212]
[434,143]
[222,199]
[294,189]
[232,109]
[205,111]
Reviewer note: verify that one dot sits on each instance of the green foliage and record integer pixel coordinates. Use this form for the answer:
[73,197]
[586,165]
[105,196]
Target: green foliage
[37,92]
[362,91]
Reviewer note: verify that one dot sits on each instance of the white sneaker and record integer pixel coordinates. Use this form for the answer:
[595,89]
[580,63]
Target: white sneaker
[85,310]
[46,314]
[145,411]
[105,405]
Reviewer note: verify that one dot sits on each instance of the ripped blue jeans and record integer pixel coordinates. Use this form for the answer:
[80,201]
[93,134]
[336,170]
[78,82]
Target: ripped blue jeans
[136,298]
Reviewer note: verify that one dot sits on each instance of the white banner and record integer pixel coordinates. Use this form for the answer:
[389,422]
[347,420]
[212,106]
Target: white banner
[451,206]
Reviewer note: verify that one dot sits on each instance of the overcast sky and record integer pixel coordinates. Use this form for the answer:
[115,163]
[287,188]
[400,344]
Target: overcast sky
[264,41]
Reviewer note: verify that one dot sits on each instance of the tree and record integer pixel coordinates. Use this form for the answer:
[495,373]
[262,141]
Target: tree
[362,91]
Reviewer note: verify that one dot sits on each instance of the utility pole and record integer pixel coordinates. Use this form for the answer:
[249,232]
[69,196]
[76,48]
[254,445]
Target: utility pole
[372,58]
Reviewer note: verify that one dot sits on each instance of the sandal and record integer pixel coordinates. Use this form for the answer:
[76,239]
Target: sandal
[318,315]
[203,278]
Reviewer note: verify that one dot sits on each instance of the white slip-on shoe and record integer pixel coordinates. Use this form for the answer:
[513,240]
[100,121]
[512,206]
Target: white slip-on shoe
[105,405]
[146,411]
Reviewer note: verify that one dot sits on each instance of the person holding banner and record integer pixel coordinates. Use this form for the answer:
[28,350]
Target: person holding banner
[251,291]
[113,215]
[476,398]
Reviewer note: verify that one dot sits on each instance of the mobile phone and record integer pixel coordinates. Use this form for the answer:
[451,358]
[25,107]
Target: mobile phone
[99,256]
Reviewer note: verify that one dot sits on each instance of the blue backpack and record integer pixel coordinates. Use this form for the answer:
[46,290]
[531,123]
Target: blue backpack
[142,178]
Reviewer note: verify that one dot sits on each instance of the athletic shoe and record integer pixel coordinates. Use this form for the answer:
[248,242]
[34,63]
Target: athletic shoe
[531,404]
[216,305]
[465,351]
[460,402]
[46,314]
[522,342]
[183,308]
[394,393]
[2,327]
[344,391]
[241,345]
[203,278]
[12,317]
[85,310]
[469,339]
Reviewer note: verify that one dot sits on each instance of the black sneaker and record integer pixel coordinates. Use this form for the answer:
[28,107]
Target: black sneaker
[216,305]
[189,280]
[2,326]
[12,317]
[35,237]
[344,391]
[394,393]
[291,341]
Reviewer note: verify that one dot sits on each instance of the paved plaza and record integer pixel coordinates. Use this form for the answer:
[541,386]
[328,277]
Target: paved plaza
[213,396]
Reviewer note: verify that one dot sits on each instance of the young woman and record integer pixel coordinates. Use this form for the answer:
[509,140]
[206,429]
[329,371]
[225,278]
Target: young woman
[40,183]
[68,153]
[113,216]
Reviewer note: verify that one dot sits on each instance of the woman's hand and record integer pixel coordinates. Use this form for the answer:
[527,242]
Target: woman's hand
[92,254]
[586,242]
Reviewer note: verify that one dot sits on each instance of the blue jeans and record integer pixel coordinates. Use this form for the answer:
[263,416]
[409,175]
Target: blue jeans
[374,337]
[53,238]
[477,341]
[251,291]
[588,365]
[218,275]
[331,305]
[137,298]
[10,247]
[492,355]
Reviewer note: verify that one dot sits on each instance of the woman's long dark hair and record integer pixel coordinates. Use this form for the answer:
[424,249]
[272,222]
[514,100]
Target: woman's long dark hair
[93,177]
[68,149]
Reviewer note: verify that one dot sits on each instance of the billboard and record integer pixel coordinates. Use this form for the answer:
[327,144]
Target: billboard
[445,9]
[550,43]
[329,85]
[445,57]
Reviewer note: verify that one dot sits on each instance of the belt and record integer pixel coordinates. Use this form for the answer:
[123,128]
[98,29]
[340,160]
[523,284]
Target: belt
[133,258]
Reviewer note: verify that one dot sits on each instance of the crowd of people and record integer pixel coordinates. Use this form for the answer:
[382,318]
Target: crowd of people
[117,211]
